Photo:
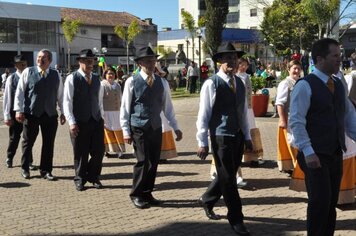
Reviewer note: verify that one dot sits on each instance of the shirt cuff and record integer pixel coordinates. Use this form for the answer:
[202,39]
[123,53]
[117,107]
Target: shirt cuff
[126,132]
[308,151]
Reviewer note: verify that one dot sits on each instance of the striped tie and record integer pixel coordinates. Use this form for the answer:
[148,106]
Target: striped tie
[331,85]
[150,80]
[232,85]
[88,79]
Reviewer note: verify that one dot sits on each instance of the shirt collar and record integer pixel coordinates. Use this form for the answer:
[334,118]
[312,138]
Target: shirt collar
[223,75]
[144,75]
[321,75]
[81,72]
[39,70]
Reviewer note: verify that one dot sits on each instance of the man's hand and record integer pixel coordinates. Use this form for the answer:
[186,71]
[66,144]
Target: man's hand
[179,134]
[20,117]
[74,130]
[128,140]
[203,152]
[248,145]
[282,124]
[312,161]
[8,122]
[62,119]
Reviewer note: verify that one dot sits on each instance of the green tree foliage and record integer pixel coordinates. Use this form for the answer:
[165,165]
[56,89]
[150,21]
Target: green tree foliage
[189,25]
[164,52]
[215,16]
[128,34]
[320,12]
[70,30]
[287,26]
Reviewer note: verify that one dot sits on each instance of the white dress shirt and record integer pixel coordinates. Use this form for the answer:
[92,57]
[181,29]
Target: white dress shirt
[7,97]
[19,103]
[300,104]
[206,104]
[348,79]
[125,110]
[68,98]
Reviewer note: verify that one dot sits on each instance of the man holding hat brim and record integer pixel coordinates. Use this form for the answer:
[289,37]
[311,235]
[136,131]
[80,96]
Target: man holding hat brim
[15,128]
[145,96]
[223,114]
[38,92]
[83,108]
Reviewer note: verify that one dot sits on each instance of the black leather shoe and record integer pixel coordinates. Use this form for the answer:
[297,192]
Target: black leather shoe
[240,229]
[97,184]
[9,163]
[79,187]
[152,201]
[25,173]
[140,203]
[32,167]
[49,176]
[208,212]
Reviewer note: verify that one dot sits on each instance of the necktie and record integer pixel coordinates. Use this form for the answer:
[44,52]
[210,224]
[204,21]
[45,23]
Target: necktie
[43,74]
[330,85]
[150,80]
[232,85]
[88,79]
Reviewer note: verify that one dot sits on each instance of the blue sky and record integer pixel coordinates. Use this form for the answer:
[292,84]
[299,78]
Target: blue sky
[163,12]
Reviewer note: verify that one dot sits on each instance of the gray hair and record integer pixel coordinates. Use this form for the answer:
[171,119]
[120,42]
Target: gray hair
[48,52]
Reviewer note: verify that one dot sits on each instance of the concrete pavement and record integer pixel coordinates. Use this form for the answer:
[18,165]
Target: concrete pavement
[39,207]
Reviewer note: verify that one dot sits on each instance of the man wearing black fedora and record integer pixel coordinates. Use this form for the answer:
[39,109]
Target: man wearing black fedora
[83,108]
[223,114]
[145,96]
[38,92]
[15,127]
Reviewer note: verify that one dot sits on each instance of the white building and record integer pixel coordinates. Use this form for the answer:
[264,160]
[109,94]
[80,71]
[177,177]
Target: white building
[244,14]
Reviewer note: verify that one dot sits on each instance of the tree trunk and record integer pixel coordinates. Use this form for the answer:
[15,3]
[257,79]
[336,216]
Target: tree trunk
[127,59]
[68,70]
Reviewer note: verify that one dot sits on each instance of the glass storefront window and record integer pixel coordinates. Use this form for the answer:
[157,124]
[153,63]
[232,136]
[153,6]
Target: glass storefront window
[8,32]
[37,32]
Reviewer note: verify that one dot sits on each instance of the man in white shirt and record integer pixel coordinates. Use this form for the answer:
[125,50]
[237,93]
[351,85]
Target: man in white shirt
[223,113]
[145,96]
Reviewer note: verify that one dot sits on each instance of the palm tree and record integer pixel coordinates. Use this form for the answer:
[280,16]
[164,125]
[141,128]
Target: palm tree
[189,25]
[70,30]
[164,52]
[128,34]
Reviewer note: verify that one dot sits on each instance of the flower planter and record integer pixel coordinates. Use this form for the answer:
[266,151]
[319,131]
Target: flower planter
[260,104]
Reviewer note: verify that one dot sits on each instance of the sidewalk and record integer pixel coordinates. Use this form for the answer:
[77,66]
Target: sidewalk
[38,207]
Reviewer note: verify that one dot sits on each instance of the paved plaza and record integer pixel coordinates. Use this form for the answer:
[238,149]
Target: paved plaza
[38,207]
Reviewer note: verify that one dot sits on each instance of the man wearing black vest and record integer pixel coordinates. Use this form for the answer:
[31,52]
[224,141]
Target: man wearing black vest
[15,127]
[145,96]
[38,91]
[223,115]
[83,108]
[320,114]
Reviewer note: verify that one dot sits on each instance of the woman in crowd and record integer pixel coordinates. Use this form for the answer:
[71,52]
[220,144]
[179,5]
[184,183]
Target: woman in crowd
[113,137]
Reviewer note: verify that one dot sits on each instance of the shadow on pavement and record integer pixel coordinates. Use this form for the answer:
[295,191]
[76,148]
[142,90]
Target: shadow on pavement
[14,185]
[256,184]
[272,200]
[182,185]
[180,161]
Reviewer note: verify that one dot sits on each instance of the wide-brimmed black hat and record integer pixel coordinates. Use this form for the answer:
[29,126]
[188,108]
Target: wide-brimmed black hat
[19,58]
[86,53]
[227,47]
[145,52]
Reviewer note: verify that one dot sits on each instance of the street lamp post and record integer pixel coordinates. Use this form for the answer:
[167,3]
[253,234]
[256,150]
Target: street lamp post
[199,35]
[187,40]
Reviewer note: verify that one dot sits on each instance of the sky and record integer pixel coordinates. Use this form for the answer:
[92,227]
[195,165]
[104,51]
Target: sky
[164,13]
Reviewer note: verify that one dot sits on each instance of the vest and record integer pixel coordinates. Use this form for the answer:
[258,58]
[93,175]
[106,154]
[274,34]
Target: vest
[290,84]
[86,98]
[146,103]
[325,117]
[41,93]
[111,98]
[14,81]
[227,112]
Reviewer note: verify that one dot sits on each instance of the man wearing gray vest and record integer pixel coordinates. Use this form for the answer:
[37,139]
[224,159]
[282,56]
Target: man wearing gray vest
[38,92]
[223,115]
[145,96]
[320,114]
[83,108]
[15,128]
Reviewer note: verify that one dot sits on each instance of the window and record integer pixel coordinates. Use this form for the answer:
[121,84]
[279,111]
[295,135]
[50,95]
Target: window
[253,12]
[111,41]
[8,31]
[37,32]
[233,17]
[234,2]
[202,5]
[83,31]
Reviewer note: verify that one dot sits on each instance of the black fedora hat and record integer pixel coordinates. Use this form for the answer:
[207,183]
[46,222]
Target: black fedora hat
[86,53]
[19,58]
[145,52]
[227,47]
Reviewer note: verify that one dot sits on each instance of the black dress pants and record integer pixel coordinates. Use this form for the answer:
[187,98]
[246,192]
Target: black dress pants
[323,185]
[147,145]
[30,131]
[15,131]
[90,140]
[227,153]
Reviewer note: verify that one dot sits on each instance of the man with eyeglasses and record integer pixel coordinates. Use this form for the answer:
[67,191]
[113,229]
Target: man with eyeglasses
[83,108]
[38,92]
[145,96]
